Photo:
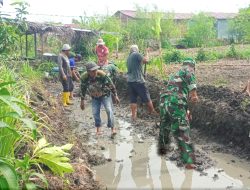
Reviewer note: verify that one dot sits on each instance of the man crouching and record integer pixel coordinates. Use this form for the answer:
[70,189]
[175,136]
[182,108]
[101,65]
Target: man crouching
[180,89]
[99,86]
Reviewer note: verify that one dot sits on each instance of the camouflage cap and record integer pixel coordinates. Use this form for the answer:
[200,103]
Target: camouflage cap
[189,61]
[91,66]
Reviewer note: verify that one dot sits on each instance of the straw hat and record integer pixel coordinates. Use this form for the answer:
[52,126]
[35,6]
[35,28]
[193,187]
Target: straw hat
[100,42]
[66,47]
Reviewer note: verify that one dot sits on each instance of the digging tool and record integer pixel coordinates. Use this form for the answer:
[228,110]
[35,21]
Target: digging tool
[145,65]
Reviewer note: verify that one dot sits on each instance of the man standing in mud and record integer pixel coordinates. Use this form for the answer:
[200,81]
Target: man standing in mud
[136,81]
[100,87]
[180,89]
[65,74]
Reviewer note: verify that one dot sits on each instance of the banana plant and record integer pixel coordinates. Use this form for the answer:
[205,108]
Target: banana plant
[157,17]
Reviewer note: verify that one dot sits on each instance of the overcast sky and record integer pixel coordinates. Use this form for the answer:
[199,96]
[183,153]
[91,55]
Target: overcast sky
[90,7]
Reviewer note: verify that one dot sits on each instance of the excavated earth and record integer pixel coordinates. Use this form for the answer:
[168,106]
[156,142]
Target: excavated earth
[221,121]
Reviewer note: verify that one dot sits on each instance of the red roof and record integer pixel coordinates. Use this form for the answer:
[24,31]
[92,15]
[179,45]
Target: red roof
[183,16]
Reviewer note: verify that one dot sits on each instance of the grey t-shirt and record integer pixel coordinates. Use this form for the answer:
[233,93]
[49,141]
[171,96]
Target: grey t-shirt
[63,65]
[134,66]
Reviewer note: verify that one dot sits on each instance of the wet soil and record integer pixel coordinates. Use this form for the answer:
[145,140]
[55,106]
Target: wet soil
[46,100]
[220,125]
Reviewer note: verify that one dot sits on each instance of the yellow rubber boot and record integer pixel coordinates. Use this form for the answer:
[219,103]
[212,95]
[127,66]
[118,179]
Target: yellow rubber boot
[64,97]
[67,100]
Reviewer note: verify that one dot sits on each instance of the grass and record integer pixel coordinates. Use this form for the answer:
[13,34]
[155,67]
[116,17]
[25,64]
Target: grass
[205,55]
[217,53]
[19,129]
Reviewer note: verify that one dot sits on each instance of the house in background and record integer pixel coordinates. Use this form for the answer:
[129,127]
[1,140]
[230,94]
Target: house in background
[222,20]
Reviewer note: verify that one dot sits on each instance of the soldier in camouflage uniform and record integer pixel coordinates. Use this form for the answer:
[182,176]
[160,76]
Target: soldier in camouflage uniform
[99,86]
[180,88]
[111,70]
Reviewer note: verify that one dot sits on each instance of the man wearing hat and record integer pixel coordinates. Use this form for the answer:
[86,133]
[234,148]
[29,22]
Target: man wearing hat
[102,52]
[180,89]
[65,74]
[100,87]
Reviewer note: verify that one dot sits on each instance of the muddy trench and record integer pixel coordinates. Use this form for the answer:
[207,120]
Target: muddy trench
[220,131]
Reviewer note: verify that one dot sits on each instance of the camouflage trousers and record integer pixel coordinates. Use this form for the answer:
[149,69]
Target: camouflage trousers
[174,122]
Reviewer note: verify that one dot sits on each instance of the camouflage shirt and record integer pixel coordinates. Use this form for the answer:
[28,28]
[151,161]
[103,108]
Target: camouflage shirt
[102,85]
[110,70]
[180,84]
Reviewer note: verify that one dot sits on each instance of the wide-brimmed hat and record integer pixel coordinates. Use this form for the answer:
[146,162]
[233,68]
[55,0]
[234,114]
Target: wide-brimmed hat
[91,66]
[66,47]
[100,42]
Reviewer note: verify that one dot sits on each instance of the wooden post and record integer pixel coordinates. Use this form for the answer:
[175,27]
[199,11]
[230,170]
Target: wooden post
[35,45]
[41,40]
[21,46]
[26,40]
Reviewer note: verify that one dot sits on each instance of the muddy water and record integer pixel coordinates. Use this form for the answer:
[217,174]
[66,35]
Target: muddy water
[134,164]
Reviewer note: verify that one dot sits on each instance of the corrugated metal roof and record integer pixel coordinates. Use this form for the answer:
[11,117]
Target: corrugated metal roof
[183,16]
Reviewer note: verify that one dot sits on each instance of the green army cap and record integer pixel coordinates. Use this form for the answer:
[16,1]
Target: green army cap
[189,61]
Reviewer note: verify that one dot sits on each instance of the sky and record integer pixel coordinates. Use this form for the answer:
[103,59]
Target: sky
[66,10]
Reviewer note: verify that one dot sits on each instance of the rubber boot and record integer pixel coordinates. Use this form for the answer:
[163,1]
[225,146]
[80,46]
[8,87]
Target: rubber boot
[67,100]
[64,98]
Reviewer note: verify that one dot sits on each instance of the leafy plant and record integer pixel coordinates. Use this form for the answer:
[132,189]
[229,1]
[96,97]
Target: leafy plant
[232,53]
[240,26]
[53,156]
[201,55]
[173,55]
[46,66]
[19,131]
[201,31]
[8,176]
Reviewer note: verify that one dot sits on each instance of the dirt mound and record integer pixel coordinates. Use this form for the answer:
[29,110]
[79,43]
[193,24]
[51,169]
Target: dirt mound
[153,84]
[223,115]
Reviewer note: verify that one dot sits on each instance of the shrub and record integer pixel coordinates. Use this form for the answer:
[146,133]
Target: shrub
[245,54]
[174,55]
[201,55]
[201,31]
[166,44]
[232,53]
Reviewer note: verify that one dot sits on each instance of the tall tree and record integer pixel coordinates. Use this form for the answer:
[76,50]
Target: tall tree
[240,25]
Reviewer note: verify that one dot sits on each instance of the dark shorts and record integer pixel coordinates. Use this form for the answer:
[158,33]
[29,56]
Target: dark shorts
[136,90]
[68,85]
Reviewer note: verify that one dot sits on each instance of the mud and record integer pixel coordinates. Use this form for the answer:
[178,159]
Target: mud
[47,103]
[223,112]
[224,116]
[220,125]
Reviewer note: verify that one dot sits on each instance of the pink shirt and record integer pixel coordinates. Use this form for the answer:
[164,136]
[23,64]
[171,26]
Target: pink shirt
[102,54]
